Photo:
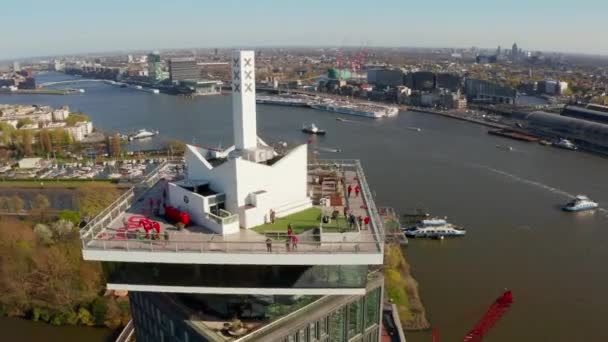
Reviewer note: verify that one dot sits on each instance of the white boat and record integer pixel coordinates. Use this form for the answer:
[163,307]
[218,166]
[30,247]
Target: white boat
[114,175]
[375,111]
[434,228]
[142,134]
[282,100]
[312,129]
[580,203]
[565,144]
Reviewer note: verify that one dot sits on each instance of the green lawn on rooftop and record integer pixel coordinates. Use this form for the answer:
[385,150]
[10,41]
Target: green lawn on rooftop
[303,221]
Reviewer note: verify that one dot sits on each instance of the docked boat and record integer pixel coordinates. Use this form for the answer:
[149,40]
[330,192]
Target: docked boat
[312,129]
[435,229]
[565,144]
[143,134]
[375,111]
[580,203]
[545,142]
[292,101]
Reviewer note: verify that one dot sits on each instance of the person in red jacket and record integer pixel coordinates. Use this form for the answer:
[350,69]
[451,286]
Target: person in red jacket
[357,190]
[366,221]
[349,189]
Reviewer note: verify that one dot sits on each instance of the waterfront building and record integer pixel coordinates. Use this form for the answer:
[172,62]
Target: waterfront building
[385,77]
[181,69]
[489,92]
[202,87]
[585,134]
[155,69]
[421,80]
[593,113]
[449,81]
[217,279]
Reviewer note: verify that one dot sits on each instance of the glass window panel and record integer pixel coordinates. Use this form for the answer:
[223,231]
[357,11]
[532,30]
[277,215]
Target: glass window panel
[372,309]
[355,318]
[336,326]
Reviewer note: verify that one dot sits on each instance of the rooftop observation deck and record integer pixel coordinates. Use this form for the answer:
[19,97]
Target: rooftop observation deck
[114,235]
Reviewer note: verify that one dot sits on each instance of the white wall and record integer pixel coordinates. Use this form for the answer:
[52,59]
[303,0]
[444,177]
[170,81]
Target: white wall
[198,208]
[243,100]
[285,182]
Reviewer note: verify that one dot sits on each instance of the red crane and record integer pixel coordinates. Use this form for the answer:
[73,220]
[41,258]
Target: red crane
[492,316]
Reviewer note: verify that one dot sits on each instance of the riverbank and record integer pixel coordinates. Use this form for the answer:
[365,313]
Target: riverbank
[402,289]
[41,92]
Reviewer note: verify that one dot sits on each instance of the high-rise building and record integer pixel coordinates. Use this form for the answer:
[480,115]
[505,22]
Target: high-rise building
[181,69]
[16,66]
[155,69]
[514,53]
[498,51]
[214,276]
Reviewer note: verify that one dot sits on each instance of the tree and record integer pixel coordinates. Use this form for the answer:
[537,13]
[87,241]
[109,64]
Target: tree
[45,141]
[94,197]
[26,142]
[70,215]
[114,145]
[23,122]
[61,229]
[44,233]
[75,118]
[41,204]
[176,147]
[4,204]
[15,204]
[6,132]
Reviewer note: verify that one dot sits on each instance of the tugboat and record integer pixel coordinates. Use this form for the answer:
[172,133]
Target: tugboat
[142,134]
[435,229]
[312,129]
[580,203]
[565,144]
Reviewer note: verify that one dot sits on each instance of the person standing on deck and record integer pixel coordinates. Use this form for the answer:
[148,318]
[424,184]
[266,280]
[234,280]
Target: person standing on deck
[289,230]
[357,190]
[272,216]
[349,189]
[366,220]
[360,219]
[294,243]
[269,245]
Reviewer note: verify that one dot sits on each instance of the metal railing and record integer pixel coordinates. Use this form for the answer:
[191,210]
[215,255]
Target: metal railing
[97,224]
[175,241]
[368,199]
[224,217]
[212,243]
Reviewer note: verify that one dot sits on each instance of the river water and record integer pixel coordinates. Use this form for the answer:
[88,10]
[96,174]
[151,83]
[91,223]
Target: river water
[508,201]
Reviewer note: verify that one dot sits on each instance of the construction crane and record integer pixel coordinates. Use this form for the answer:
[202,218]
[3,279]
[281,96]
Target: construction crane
[487,322]
[492,316]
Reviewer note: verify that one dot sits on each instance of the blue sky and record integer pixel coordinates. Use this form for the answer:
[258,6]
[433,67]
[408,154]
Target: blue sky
[41,27]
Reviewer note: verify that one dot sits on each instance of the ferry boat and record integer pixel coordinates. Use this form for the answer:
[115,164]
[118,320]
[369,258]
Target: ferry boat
[142,134]
[374,111]
[565,144]
[312,129]
[282,100]
[580,203]
[435,229]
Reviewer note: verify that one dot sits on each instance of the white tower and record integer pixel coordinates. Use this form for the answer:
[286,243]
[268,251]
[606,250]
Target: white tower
[243,100]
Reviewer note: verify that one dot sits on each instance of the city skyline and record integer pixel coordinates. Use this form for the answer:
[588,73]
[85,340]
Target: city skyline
[68,27]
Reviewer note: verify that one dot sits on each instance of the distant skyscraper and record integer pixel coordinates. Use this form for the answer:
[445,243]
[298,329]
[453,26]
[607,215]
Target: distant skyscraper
[16,66]
[155,70]
[498,51]
[515,53]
